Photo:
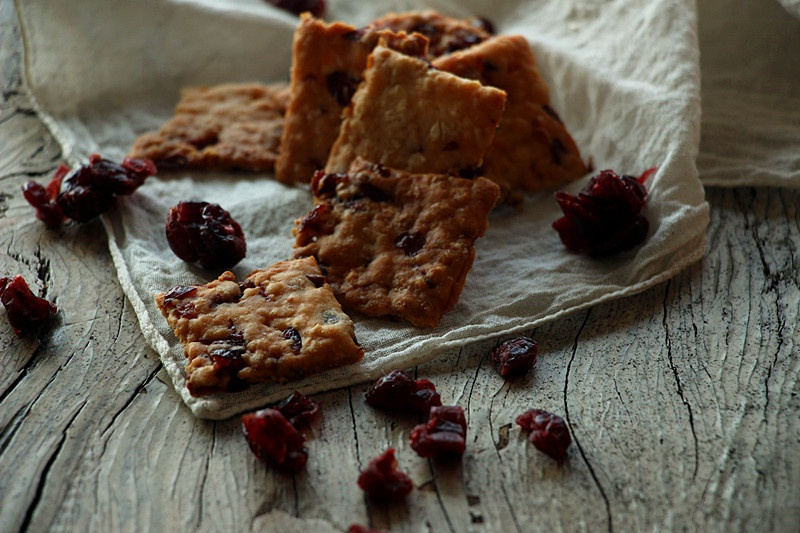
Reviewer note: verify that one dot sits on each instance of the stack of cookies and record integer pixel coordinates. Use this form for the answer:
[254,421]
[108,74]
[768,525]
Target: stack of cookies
[408,132]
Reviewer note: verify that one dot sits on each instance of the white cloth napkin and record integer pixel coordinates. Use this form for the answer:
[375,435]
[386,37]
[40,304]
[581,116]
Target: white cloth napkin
[750,63]
[624,77]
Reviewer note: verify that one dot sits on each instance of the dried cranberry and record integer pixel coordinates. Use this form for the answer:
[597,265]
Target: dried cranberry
[382,481]
[483,23]
[342,86]
[274,440]
[319,221]
[548,432]
[293,335]
[298,409]
[410,243]
[205,233]
[24,310]
[552,112]
[604,218]
[315,7]
[323,185]
[444,434]
[357,528]
[514,357]
[81,203]
[91,188]
[178,292]
[44,199]
[228,359]
[399,392]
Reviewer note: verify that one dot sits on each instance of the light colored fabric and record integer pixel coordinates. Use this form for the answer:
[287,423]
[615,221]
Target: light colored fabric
[750,61]
[624,76]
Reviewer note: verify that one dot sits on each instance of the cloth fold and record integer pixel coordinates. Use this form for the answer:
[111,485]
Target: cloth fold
[101,74]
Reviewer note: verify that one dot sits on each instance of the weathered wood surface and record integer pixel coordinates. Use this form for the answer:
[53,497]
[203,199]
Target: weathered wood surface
[682,401]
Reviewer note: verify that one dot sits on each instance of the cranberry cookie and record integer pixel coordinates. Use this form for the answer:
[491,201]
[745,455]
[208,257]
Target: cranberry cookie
[394,243]
[278,324]
[235,126]
[408,116]
[327,65]
[445,34]
[532,148]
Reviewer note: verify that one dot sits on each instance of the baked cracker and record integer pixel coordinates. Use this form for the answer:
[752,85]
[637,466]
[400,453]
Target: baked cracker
[394,243]
[532,149]
[233,126]
[327,65]
[278,324]
[409,116]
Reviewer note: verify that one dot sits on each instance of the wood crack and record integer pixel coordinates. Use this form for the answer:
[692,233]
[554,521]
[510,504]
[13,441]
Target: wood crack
[678,384]
[575,438]
[442,506]
[141,387]
[37,497]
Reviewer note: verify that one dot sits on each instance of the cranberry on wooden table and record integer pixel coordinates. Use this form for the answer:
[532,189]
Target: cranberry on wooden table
[399,392]
[358,528]
[45,198]
[382,481]
[444,434]
[299,410]
[547,432]
[205,233]
[24,310]
[605,217]
[274,439]
[514,357]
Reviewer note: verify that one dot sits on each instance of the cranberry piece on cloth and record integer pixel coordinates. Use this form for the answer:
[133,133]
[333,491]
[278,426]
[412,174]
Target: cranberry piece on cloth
[604,218]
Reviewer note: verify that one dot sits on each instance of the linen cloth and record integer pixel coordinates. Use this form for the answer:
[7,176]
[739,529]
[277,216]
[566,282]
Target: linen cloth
[750,64]
[624,76]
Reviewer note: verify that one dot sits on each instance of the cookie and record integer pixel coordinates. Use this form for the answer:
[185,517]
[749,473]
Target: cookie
[408,116]
[234,126]
[278,324]
[327,65]
[532,149]
[393,243]
[445,34]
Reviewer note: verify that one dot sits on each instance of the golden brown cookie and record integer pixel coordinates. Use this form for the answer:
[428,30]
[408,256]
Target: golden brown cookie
[278,324]
[532,149]
[445,34]
[394,243]
[327,65]
[408,116]
[234,126]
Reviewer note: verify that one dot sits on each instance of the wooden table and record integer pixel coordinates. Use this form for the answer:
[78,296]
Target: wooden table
[682,401]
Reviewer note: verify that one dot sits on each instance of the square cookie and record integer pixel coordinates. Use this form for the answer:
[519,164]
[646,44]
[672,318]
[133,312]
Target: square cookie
[445,34]
[278,324]
[532,149]
[327,65]
[393,243]
[233,126]
[409,116]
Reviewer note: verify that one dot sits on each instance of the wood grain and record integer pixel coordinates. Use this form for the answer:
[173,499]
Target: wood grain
[682,401]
